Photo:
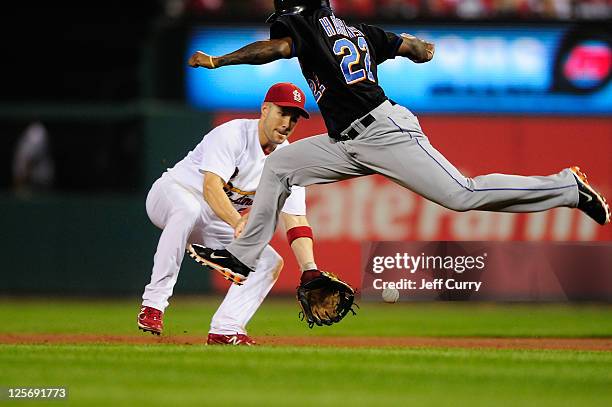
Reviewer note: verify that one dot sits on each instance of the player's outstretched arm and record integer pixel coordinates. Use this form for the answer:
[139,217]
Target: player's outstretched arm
[302,247]
[256,53]
[323,297]
[416,49]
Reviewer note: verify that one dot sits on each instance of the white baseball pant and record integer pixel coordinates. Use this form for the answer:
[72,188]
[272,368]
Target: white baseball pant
[184,218]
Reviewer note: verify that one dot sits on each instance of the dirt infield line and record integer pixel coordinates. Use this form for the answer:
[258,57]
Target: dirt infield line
[599,344]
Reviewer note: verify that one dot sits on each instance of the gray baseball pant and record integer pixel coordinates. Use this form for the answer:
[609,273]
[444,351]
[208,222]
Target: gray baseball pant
[394,146]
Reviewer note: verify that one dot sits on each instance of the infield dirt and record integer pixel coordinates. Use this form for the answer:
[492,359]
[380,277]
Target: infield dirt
[598,344]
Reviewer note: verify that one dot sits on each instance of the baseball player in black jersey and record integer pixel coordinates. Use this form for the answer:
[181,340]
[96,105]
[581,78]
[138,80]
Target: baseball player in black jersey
[368,133]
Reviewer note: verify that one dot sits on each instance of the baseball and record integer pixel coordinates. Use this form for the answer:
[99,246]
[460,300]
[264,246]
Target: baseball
[390,295]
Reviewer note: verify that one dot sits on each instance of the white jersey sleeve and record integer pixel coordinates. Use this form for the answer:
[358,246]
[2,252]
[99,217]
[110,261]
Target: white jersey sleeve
[222,148]
[296,203]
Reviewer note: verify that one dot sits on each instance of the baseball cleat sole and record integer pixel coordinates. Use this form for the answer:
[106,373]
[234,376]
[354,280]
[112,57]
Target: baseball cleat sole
[144,328]
[582,178]
[227,274]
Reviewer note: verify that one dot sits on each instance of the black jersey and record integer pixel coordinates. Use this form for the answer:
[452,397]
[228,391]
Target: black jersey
[339,63]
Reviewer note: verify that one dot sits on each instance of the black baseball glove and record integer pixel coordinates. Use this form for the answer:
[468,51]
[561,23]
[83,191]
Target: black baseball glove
[325,299]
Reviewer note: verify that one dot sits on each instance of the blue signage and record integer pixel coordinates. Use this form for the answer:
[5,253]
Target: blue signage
[515,70]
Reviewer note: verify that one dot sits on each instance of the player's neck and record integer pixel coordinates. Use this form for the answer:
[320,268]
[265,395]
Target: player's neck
[266,146]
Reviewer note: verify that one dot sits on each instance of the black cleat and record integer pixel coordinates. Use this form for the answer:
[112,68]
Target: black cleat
[590,201]
[222,261]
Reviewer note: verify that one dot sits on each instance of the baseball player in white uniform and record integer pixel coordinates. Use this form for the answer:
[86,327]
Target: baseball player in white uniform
[203,198]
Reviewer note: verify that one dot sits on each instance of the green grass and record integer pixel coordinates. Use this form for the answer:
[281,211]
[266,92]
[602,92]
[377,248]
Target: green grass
[193,375]
[163,374]
[279,317]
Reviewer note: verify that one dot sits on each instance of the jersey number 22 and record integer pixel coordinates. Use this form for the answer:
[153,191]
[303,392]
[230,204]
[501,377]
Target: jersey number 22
[353,59]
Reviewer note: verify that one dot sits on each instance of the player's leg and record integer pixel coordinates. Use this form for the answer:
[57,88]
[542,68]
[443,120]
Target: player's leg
[405,155]
[177,211]
[314,160]
[241,302]
[492,192]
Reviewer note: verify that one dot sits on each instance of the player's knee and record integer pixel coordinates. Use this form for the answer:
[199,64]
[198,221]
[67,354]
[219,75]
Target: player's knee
[458,202]
[457,207]
[279,264]
[275,164]
[274,172]
[278,260]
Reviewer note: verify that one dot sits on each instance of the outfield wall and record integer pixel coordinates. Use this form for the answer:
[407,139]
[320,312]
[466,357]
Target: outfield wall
[97,240]
[101,243]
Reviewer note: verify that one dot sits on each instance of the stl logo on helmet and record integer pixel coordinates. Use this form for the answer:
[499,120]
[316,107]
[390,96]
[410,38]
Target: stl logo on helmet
[297,96]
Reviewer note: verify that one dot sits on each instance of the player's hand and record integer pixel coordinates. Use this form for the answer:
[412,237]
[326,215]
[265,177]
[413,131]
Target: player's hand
[430,48]
[239,228]
[200,59]
[420,50]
